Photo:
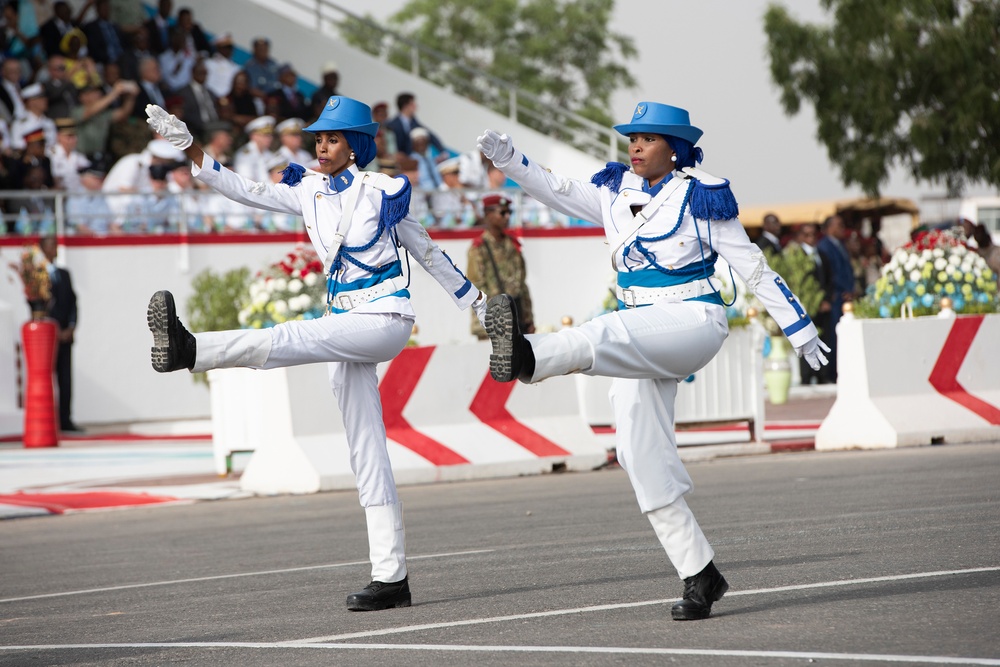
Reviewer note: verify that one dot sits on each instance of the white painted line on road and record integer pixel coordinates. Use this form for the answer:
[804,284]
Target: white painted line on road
[631,605]
[171,582]
[616,650]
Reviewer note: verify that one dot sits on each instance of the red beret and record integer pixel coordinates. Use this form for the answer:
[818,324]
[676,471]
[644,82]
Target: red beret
[495,200]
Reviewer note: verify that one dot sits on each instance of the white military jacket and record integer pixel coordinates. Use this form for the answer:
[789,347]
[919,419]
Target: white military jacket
[672,245]
[320,203]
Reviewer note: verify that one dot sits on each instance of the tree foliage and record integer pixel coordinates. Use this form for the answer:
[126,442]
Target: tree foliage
[559,50]
[914,83]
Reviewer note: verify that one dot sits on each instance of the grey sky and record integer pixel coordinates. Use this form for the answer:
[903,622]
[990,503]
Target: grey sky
[709,57]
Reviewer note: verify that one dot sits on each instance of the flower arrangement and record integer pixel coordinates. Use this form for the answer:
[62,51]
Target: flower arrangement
[34,274]
[291,289]
[934,265]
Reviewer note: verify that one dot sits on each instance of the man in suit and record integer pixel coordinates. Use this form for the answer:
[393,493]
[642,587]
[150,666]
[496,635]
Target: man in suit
[52,31]
[770,238]
[105,41]
[62,308]
[290,102]
[194,37]
[158,28]
[151,91]
[199,104]
[838,283]
[405,122]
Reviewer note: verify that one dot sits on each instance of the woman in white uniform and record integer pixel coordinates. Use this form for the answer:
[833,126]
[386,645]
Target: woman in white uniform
[357,221]
[666,222]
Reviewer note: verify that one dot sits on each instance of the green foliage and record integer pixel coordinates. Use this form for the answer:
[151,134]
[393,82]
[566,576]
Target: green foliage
[562,51]
[911,82]
[214,304]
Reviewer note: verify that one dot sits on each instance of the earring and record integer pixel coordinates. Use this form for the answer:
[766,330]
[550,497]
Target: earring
[673,158]
[352,155]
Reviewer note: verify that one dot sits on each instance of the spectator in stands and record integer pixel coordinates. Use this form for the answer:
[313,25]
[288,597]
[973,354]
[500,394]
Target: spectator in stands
[473,170]
[251,160]
[128,15]
[60,91]
[405,121]
[18,46]
[151,91]
[428,177]
[67,162]
[176,62]
[219,142]
[11,104]
[987,249]
[221,68]
[386,155]
[135,53]
[838,284]
[290,139]
[105,40]
[35,107]
[195,40]
[262,70]
[200,105]
[158,28]
[240,106]
[81,70]
[450,207]
[87,211]
[96,115]
[158,209]
[290,103]
[130,175]
[770,236]
[331,79]
[52,31]
[30,157]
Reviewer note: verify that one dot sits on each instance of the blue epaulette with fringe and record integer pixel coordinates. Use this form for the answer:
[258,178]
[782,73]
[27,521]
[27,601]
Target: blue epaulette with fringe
[713,202]
[611,176]
[395,207]
[292,175]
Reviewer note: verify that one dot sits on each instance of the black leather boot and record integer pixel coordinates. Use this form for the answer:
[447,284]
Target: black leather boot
[380,595]
[700,591]
[512,357]
[173,345]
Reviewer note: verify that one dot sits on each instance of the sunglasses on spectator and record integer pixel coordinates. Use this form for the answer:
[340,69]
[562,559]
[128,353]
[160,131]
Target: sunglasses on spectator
[502,210]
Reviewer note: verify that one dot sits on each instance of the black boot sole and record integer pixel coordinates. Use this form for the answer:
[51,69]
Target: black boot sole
[500,323]
[160,313]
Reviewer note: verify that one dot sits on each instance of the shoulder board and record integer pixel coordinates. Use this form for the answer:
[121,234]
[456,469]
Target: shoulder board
[611,176]
[395,196]
[244,149]
[711,198]
[478,241]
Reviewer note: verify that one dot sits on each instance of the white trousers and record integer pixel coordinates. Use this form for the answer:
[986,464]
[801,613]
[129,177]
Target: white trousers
[351,344]
[647,351]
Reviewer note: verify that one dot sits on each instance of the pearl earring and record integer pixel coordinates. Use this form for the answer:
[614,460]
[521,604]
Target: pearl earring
[352,155]
[673,158]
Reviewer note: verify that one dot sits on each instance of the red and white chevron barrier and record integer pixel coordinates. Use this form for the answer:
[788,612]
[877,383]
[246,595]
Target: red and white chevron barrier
[915,382]
[445,418]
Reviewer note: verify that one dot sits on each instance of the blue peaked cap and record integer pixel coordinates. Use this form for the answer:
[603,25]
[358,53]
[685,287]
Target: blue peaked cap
[663,119]
[343,113]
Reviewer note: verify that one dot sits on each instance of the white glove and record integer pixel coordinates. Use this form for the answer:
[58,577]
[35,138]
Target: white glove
[496,147]
[169,126]
[479,305]
[812,351]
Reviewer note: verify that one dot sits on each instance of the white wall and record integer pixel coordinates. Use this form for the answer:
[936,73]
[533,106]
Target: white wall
[113,380]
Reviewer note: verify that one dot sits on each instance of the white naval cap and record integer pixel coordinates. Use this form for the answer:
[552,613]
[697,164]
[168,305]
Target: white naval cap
[291,126]
[275,161]
[164,150]
[34,90]
[261,124]
[419,133]
[449,166]
[329,67]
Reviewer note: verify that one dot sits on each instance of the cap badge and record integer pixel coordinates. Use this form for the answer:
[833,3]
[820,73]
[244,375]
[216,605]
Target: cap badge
[639,111]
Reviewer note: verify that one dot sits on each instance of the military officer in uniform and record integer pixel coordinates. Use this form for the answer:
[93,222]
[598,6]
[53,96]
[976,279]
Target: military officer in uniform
[357,222]
[290,139]
[666,222]
[496,264]
[251,160]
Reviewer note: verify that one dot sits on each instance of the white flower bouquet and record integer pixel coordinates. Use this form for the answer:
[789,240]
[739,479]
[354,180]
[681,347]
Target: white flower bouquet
[291,289]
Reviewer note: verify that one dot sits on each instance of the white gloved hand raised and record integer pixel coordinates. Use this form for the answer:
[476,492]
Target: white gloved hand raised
[812,351]
[479,305]
[169,126]
[496,147]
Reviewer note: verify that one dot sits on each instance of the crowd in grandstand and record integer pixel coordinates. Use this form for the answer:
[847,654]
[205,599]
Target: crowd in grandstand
[73,91]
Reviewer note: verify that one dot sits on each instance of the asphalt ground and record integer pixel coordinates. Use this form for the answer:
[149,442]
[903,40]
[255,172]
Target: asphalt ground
[860,558]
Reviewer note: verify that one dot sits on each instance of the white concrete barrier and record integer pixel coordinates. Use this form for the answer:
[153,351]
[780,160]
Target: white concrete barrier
[11,414]
[728,389]
[915,382]
[446,419]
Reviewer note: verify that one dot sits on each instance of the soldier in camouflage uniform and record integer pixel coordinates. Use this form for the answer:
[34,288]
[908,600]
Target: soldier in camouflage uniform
[496,264]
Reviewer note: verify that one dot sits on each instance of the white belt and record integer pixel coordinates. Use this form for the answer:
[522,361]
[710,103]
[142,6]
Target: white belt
[354,298]
[641,296]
